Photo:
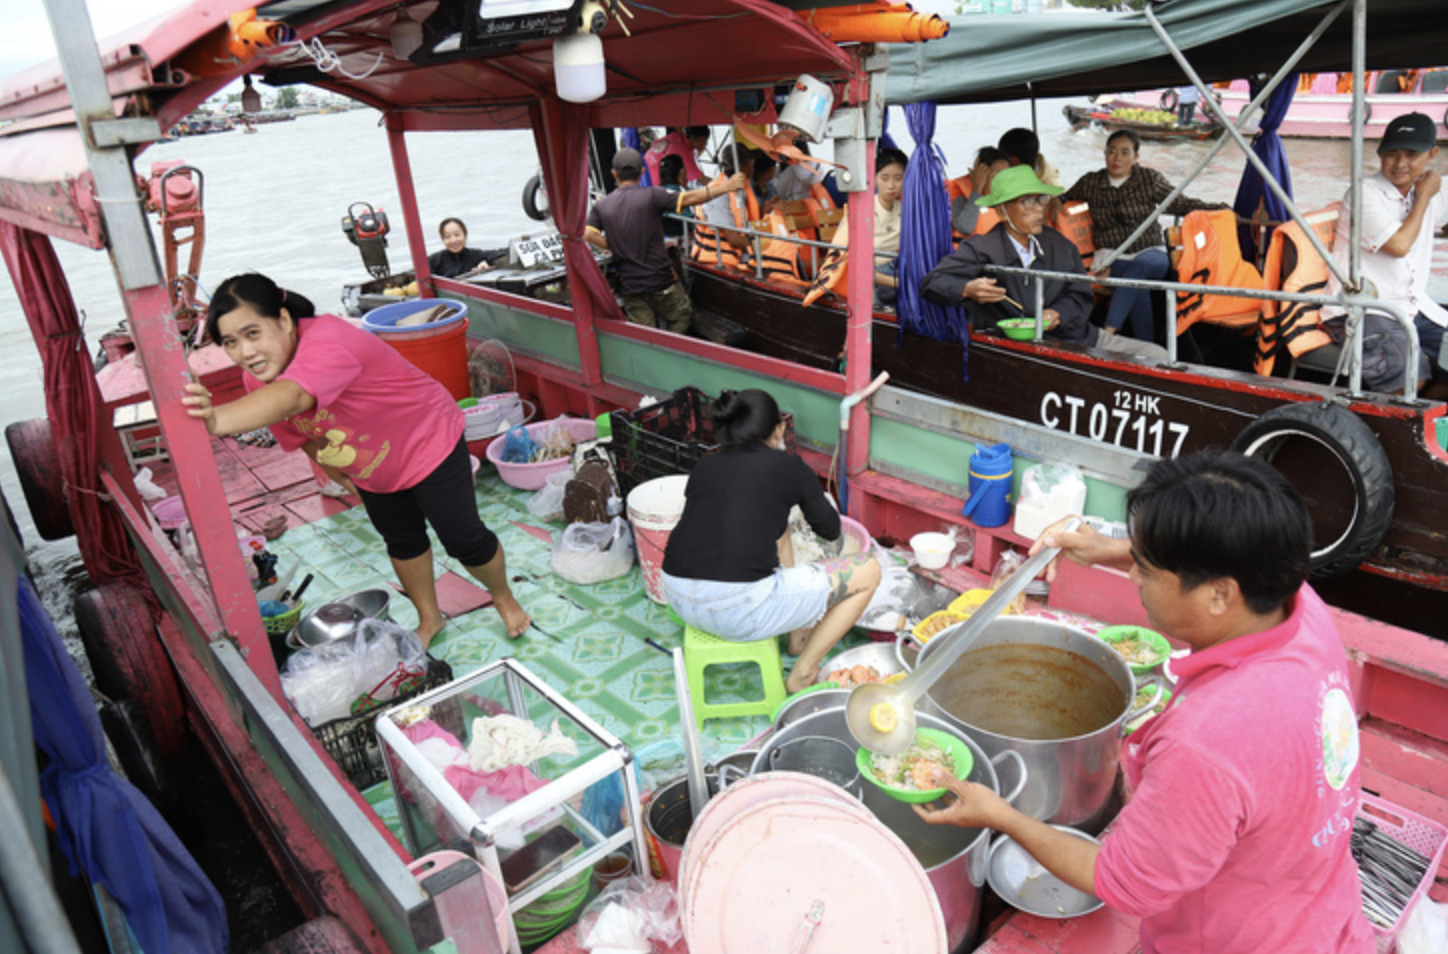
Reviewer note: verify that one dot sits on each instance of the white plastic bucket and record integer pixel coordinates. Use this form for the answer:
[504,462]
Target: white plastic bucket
[654,509]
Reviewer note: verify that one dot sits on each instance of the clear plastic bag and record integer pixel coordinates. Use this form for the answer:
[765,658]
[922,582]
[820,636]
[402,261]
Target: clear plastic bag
[1424,930]
[594,552]
[354,674]
[547,503]
[631,914]
[1008,564]
[1049,492]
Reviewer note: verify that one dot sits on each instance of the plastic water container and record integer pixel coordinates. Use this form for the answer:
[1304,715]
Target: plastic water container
[990,486]
[438,348]
[654,509]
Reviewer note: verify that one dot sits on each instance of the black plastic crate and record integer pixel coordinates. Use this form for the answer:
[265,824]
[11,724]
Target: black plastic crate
[352,741]
[669,437]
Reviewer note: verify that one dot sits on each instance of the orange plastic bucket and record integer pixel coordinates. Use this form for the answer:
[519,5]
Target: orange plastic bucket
[439,349]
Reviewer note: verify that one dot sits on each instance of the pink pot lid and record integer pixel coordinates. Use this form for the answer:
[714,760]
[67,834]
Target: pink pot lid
[809,875]
[747,793]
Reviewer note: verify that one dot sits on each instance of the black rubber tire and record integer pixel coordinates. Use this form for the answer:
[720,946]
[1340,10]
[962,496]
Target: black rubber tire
[129,662]
[1351,444]
[125,724]
[37,467]
[532,191]
[1170,100]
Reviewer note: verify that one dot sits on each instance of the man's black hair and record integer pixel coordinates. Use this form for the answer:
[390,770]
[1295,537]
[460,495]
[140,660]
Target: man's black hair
[1020,145]
[890,157]
[989,156]
[694,132]
[670,167]
[1214,515]
[1125,134]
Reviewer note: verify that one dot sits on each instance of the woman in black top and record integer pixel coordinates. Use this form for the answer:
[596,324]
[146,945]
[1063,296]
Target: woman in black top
[456,260]
[728,569]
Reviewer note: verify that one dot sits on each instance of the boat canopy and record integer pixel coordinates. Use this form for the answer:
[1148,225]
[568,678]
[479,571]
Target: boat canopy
[1015,57]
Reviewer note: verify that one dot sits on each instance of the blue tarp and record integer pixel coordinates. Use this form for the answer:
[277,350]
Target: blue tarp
[925,233]
[108,829]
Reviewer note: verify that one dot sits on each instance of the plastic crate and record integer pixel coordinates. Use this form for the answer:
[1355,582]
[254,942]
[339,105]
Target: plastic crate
[352,741]
[669,437]
[1407,828]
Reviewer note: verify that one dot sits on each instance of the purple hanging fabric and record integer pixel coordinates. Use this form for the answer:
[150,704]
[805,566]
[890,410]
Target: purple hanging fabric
[1267,144]
[925,234]
[630,138]
[886,141]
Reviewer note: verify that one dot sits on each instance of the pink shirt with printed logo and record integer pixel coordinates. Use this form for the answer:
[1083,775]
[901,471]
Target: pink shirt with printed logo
[1244,791]
[384,422]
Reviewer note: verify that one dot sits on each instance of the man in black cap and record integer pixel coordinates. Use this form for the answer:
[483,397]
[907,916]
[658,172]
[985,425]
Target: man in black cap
[628,222]
[1403,206]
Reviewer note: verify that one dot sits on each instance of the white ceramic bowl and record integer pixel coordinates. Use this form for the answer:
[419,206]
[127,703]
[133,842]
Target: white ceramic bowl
[932,550]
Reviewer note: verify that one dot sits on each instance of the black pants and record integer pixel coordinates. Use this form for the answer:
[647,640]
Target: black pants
[445,499]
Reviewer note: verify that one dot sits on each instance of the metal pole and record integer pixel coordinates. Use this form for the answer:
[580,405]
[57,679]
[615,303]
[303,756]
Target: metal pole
[1359,119]
[42,923]
[1040,307]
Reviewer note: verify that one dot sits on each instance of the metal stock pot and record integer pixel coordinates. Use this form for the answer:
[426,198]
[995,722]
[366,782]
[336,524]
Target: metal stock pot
[1052,693]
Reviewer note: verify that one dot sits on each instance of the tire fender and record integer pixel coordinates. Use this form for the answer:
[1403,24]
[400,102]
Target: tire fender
[1351,443]
[37,468]
[1170,100]
[532,191]
[128,661]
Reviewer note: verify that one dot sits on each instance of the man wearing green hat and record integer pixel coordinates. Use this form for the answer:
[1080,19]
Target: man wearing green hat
[1022,240]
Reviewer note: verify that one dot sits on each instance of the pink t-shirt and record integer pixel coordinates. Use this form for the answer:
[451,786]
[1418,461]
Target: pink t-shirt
[1244,792]
[385,423]
[674,144]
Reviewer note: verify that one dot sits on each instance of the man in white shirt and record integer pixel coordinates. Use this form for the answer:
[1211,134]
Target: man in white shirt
[1402,207]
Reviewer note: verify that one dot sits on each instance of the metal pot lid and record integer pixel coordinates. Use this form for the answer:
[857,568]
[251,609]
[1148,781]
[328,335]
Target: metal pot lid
[748,793]
[1024,883]
[770,880]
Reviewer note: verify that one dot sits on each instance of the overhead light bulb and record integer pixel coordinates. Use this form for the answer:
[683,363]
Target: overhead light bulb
[578,69]
[406,35]
[250,98]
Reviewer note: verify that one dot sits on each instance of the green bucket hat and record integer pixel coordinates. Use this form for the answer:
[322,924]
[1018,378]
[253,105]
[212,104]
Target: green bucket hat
[1010,184]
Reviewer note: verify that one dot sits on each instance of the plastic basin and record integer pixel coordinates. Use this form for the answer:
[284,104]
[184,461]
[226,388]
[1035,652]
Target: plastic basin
[534,476]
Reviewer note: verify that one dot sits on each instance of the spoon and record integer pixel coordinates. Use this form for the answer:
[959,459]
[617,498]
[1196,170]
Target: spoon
[882,717]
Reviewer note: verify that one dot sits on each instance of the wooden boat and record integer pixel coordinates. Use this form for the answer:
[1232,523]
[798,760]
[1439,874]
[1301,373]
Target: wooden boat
[904,453]
[1105,116]
[1319,110]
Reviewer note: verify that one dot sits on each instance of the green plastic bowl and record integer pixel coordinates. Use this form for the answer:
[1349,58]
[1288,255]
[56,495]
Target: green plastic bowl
[1018,329]
[960,754]
[1146,717]
[1115,634]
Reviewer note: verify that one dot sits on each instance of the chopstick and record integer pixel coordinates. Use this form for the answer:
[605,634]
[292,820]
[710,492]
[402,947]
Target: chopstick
[1019,307]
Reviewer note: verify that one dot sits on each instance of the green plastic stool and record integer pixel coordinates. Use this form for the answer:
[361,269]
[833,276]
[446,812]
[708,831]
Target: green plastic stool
[702,650]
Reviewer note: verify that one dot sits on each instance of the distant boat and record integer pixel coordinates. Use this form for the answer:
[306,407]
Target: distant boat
[1320,110]
[1122,114]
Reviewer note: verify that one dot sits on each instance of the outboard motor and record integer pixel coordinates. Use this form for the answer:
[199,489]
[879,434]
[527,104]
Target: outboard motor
[367,229]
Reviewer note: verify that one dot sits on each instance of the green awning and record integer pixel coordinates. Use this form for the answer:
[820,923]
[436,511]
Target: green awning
[1014,57]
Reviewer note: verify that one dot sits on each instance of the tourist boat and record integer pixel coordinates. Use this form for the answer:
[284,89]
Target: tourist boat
[1320,107]
[200,653]
[1113,115]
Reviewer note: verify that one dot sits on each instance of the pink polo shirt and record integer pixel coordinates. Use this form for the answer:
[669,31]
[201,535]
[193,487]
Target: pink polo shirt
[1235,840]
[383,422]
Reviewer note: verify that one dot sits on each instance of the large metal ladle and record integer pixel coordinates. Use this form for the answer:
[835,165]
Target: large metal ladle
[892,707]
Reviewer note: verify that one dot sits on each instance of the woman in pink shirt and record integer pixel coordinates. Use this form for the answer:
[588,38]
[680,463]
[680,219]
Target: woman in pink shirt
[1236,836]
[371,420]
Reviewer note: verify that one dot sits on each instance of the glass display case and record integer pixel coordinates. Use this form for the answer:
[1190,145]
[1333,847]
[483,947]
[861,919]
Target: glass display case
[501,766]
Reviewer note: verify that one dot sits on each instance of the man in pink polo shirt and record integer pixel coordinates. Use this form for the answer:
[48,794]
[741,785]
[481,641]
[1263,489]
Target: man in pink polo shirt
[1236,836]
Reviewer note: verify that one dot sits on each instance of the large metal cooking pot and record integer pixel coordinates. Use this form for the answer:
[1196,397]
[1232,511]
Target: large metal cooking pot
[955,859]
[1054,694]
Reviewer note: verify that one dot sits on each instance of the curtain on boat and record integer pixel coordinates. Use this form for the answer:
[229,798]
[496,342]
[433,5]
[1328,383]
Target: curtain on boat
[924,233]
[72,402]
[107,828]
[1268,147]
[561,132]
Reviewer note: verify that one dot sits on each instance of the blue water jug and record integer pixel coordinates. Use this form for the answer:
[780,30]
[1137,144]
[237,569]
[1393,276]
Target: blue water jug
[990,486]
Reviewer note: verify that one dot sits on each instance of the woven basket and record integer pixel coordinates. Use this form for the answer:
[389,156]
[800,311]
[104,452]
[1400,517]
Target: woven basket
[281,625]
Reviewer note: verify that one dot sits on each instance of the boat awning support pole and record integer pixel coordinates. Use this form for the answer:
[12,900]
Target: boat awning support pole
[1359,119]
[159,344]
[411,220]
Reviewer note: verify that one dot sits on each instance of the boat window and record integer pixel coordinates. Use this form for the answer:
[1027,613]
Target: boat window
[1388,81]
[1435,82]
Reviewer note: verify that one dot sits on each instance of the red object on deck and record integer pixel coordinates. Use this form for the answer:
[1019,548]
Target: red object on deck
[442,355]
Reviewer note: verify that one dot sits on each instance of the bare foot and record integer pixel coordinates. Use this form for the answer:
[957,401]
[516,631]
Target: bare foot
[799,680]
[514,616]
[797,639]
[427,630]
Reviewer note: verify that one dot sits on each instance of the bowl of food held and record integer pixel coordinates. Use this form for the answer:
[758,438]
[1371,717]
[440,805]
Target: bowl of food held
[551,451]
[1143,649]
[1018,329]
[909,776]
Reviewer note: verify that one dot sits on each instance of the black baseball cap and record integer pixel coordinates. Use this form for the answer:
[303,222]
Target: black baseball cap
[1414,132]
[628,160]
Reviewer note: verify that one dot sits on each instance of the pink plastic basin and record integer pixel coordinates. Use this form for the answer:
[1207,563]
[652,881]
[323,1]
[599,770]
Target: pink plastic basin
[534,476]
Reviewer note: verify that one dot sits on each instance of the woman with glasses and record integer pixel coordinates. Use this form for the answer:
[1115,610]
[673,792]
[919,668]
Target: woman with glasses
[1121,197]
[1022,240]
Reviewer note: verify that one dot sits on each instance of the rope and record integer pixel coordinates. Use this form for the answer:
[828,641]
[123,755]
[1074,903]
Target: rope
[329,62]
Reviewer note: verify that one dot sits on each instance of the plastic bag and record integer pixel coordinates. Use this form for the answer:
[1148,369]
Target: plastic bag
[351,675]
[631,914]
[594,552]
[146,487]
[1008,564]
[547,502]
[518,446]
[1424,930]
[1049,492]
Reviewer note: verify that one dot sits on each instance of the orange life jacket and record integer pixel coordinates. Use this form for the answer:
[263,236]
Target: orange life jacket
[1074,222]
[779,258]
[1211,255]
[833,268]
[711,248]
[1293,265]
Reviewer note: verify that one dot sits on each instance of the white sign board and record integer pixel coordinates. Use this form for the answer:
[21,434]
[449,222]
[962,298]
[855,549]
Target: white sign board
[533,250]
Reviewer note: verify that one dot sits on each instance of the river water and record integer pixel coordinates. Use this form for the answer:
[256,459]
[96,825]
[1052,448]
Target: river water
[274,201]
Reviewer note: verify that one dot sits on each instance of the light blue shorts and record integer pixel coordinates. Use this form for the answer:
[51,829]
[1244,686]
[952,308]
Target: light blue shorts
[789,599]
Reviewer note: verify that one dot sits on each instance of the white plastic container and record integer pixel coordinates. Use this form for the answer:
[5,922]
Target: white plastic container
[1049,492]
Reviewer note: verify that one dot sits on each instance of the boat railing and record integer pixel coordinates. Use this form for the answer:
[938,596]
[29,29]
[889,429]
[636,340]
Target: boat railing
[1356,306]
[757,240]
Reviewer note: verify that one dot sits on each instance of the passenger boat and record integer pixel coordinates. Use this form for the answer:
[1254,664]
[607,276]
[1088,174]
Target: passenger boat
[199,652]
[1320,107]
[1112,116]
